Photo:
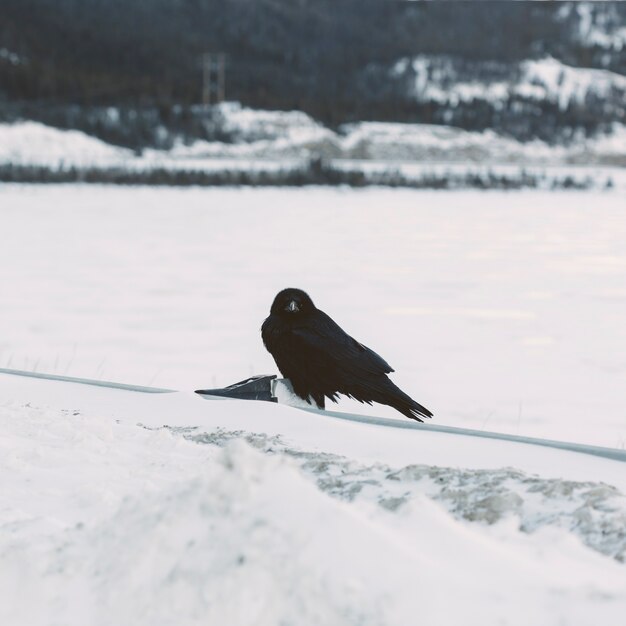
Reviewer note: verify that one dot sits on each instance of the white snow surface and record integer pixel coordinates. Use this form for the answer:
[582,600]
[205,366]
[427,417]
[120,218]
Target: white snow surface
[32,143]
[501,311]
[498,311]
[108,517]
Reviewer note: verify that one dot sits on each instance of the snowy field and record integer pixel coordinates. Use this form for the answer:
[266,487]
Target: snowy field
[106,521]
[499,311]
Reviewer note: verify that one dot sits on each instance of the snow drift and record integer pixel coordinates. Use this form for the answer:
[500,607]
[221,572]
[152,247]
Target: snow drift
[107,523]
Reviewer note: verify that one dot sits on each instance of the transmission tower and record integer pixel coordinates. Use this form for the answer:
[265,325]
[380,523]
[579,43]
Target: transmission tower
[213,78]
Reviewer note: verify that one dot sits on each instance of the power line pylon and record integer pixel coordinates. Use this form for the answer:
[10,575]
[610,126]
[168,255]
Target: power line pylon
[213,78]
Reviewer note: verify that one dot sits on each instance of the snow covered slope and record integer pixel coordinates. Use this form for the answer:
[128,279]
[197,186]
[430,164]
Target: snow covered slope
[294,135]
[32,143]
[436,79]
[109,516]
[122,507]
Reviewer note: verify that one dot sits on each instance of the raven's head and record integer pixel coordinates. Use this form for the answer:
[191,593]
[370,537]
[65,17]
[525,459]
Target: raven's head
[292,302]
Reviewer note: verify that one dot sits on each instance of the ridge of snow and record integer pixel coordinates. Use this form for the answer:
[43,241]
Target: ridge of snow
[290,137]
[401,142]
[251,125]
[595,512]
[33,143]
[106,522]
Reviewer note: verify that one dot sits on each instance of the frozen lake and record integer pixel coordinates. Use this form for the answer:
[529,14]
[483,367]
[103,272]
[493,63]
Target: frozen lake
[502,311]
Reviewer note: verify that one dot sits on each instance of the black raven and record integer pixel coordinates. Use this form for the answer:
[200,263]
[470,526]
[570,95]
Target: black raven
[320,359]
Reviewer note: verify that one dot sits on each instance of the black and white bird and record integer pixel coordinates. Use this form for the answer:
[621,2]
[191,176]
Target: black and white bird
[321,360]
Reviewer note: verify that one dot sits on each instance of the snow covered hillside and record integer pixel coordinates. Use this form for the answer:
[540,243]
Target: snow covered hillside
[270,139]
[283,135]
[109,516]
[490,66]
[534,99]
[31,143]
[543,80]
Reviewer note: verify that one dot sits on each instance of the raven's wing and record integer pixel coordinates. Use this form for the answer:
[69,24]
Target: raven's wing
[323,337]
[320,358]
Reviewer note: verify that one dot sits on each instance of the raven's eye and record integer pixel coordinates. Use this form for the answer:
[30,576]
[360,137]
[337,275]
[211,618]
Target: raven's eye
[292,306]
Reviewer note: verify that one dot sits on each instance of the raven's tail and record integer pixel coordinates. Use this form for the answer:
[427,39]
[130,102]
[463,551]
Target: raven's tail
[395,397]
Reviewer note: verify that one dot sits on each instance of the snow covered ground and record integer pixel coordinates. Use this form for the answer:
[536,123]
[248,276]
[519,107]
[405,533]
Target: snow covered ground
[109,517]
[499,311]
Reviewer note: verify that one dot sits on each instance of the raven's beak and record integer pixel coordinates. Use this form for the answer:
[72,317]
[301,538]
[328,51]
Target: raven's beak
[292,307]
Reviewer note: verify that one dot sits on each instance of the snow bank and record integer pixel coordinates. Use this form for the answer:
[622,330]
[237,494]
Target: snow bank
[271,139]
[107,523]
[294,135]
[594,511]
[428,143]
[32,143]
[249,125]
[260,134]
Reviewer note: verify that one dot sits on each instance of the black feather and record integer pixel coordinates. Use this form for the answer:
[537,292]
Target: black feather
[321,360]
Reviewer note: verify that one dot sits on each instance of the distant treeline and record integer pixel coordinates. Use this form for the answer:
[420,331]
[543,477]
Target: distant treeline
[329,58]
[316,172]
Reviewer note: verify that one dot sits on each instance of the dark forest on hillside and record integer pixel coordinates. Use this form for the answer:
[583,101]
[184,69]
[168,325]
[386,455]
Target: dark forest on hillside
[329,58]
